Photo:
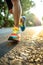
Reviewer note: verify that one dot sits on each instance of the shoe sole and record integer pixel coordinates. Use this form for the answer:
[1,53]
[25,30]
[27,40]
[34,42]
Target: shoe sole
[14,39]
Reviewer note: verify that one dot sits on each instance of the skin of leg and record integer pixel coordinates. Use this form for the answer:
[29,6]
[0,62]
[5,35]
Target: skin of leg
[17,11]
[10,11]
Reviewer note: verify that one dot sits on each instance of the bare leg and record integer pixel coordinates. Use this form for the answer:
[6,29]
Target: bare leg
[16,11]
[10,11]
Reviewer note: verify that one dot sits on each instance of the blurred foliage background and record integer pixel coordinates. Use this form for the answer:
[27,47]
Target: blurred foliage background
[6,19]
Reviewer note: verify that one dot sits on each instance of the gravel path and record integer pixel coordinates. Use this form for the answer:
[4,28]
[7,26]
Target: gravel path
[29,51]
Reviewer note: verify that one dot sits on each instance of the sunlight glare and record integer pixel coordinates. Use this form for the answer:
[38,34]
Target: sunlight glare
[38,9]
[37,30]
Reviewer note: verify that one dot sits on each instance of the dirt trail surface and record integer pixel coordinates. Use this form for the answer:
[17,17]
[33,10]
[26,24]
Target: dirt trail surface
[29,51]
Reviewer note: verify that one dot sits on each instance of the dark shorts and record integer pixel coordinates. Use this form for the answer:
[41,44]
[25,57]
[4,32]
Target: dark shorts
[9,4]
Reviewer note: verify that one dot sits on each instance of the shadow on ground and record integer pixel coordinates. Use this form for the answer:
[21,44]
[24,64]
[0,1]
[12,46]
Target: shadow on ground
[5,47]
